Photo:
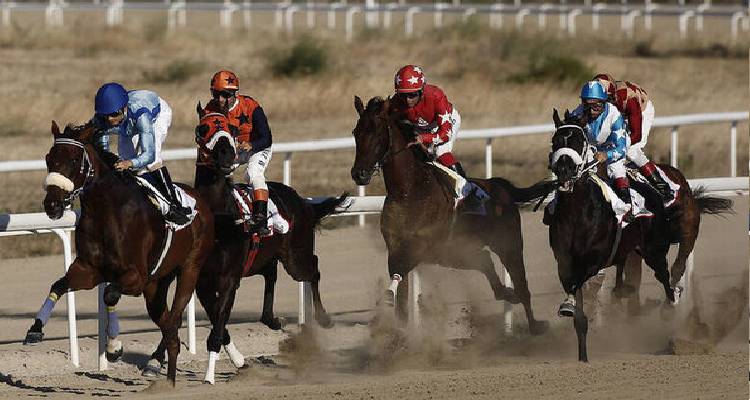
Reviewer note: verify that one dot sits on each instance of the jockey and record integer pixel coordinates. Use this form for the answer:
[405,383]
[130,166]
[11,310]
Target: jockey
[140,119]
[253,140]
[427,109]
[605,129]
[633,102]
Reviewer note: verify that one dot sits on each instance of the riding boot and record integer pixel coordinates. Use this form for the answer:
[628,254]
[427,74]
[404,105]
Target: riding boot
[548,215]
[660,185]
[260,212]
[177,213]
[623,193]
[459,169]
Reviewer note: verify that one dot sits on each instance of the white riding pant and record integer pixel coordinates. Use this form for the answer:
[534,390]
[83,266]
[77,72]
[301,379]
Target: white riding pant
[617,169]
[635,152]
[447,147]
[161,128]
[256,169]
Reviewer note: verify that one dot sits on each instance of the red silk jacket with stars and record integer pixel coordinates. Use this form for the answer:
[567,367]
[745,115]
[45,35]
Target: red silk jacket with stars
[248,116]
[431,116]
[630,99]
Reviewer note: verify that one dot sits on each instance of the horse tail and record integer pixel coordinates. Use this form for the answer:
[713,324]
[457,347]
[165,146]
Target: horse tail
[710,204]
[327,207]
[526,195]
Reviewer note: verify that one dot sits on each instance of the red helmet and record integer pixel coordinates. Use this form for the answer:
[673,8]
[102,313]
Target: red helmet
[608,82]
[409,79]
[225,80]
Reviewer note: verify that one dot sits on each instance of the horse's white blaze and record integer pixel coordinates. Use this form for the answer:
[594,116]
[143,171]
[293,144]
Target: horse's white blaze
[212,357]
[59,180]
[234,355]
[395,279]
[567,151]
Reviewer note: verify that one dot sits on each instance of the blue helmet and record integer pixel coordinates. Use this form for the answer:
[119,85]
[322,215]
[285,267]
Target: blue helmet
[110,98]
[593,90]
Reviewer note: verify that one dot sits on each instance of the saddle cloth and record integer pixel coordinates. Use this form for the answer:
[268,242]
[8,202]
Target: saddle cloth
[463,188]
[243,196]
[635,174]
[620,207]
[161,203]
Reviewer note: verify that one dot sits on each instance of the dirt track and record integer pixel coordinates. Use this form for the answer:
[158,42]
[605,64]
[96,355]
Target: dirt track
[356,359]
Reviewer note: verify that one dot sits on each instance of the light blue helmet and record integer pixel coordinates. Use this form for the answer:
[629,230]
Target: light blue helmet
[110,98]
[593,90]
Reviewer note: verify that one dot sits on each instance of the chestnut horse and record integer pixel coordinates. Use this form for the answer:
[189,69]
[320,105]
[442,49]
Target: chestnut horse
[120,237]
[419,223]
[233,257]
[586,237]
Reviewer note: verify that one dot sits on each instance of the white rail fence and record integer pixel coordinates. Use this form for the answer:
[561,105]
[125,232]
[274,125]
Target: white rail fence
[737,16]
[34,223]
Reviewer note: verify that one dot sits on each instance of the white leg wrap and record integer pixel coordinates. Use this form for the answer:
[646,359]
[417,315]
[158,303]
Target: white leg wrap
[212,357]
[234,355]
[113,345]
[394,283]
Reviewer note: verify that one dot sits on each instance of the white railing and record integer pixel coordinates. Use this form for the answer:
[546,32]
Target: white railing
[23,224]
[628,12]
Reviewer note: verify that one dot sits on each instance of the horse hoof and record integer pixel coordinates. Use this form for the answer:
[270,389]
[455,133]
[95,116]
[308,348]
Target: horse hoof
[324,320]
[389,298]
[566,310]
[272,323]
[151,369]
[33,337]
[624,291]
[538,327]
[508,295]
[114,357]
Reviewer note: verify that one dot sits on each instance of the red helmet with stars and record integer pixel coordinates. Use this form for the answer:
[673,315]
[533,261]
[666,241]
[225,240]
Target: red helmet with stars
[225,80]
[409,79]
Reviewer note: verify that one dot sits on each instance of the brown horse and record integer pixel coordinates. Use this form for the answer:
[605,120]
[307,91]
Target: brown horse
[233,257]
[419,223]
[120,237]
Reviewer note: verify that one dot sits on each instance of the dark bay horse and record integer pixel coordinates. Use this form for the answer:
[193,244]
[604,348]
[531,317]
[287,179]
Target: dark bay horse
[228,263]
[418,221]
[585,235]
[120,236]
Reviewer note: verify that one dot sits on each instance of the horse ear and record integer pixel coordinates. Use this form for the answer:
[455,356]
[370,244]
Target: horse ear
[199,109]
[567,114]
[55,129]
[359,106]
[556,118]
[386,106]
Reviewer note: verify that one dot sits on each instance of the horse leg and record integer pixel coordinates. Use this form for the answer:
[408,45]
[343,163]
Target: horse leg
[321,315]
[656,258]
[156,304]
[687,243]
[270,273]
[79,277]
[227,289]
[632,282]
[581,325]
[509,247]
[111,297]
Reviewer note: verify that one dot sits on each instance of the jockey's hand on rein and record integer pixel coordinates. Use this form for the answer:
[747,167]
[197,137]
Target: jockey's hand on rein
[244,146]
[123,165]
[601,156]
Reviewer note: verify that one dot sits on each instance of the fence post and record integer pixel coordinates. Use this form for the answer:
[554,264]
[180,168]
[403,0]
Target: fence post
[542,17]
[350,22]
[6,12]
[305,303]
[519,17]
[72,328]
[468,13]
[699,18]
[647,19]
[289,17]
[496,16]
[733,149]
[247,16]
[409,21]
[310,9]
[595,15]
[387,14]
[683,23]
[361,193]
[673,147]
[287,169]
[572,21]
[488,159]
[437,16]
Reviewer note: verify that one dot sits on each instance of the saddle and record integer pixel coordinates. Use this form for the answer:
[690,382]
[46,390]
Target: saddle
[243,198]
[468,196]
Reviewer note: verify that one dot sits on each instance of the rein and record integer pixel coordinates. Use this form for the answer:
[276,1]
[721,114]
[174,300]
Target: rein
[87,168]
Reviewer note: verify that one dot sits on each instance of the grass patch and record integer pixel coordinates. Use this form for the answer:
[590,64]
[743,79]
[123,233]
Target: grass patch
[174,72]
[544,67]
[305,58]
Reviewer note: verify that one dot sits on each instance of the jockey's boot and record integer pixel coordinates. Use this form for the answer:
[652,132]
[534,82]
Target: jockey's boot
[459,169]
[260,212]
[660,185]
[177,213]
[624,194]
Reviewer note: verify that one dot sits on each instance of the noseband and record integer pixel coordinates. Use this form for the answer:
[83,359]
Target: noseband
[87,169]
[582,166]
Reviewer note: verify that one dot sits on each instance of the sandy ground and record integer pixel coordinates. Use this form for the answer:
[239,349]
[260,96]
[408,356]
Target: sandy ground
[459,352]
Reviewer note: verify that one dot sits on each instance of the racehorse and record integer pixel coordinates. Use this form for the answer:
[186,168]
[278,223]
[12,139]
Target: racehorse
[419,223]
[120,238]
[586,237]
[237,252]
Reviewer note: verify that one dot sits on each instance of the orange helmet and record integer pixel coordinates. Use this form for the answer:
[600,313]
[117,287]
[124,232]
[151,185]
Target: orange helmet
[225,80]
[608,82]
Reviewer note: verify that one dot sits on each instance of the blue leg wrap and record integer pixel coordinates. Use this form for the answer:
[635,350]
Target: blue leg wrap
[47,307]
[113,326]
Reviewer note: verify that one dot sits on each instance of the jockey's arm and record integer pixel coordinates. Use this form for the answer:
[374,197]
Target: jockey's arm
[261,136]
[617,140]
[635,119]
[443,119]
[147,141]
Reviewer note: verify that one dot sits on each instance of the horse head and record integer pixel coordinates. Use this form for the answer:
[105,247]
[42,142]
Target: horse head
[570,150]
[69,167]
[217,147]
[371,138]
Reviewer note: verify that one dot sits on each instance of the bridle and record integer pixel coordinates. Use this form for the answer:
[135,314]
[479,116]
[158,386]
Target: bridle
[86,169]
[580,159]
